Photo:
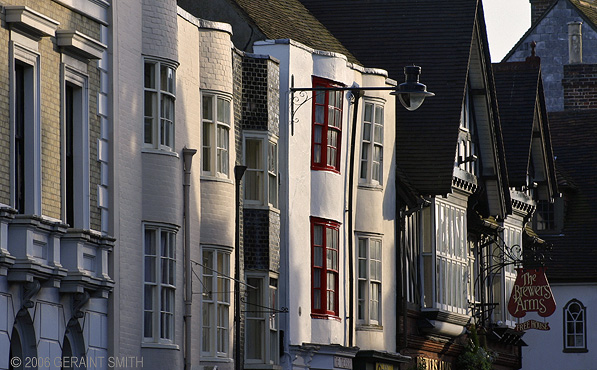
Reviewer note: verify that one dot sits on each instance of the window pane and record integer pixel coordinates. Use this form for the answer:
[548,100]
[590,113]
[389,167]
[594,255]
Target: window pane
[150,75]
[167,79]
[379,115]
[253,154]
[150,274]
[368,112]
[223,111]
[319,113]
[208,107]
[148,324]
[316,299]
[317,256]
[317,134]
[253,185]
[254,301]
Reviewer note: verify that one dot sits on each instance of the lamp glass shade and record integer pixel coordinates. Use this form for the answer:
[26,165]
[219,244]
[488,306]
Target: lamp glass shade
[411,101]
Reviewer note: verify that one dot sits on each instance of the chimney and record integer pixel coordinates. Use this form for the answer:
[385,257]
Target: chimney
[574,43]
[538,7]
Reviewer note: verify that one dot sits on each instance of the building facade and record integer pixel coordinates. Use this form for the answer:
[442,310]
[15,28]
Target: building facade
[54,279]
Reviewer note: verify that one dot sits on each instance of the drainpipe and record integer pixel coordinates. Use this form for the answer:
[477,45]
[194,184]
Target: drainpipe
[239,171]
[188,300]
[357,94]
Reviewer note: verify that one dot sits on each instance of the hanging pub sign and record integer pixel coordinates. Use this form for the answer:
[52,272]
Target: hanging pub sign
[531,293]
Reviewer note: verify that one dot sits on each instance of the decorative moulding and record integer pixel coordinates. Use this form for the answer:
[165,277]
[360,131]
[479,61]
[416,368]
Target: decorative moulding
[79,44]
[30,21]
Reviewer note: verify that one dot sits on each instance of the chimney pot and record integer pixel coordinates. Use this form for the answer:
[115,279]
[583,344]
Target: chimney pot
[574,43]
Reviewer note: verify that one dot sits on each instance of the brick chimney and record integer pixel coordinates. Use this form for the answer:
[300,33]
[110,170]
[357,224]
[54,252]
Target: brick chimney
[538,7]
[580,86]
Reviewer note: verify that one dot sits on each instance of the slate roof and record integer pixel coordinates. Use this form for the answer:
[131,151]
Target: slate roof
[280,19]
[519,88]
[587,10]
[574,140]
[435,35]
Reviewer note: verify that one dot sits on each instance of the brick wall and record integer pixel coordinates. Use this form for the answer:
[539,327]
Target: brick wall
[160,29]
[580,86]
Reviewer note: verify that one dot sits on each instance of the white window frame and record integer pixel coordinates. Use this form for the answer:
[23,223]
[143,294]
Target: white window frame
[369,283]
[261,308]
[372,123]
[155,120]
[210,129]
[444,262]
[266,175]
[73,74]
[215,300]
[575,319]
[152,305]
[24,50]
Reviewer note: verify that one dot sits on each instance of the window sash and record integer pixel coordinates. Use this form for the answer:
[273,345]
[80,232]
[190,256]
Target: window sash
[372,144]
[327,127]
[216,121]
[325,267]
[574,326]
[261,176]
[369,280]
[215,302]
[159,284]
[158,123]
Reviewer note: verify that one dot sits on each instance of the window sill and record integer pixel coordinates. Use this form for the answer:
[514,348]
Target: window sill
[216,179]
[261,206]
[160,346]
[262,366]
[332,170]
[206,358]
[575,350]
[369,327]
[160,151]
[373,187]
[323,316]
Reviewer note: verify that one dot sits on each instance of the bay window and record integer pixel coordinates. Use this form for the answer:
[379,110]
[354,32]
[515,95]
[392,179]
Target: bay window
[444,254]
[160,94]
[372,144]
[261,176]
[216,135]
[324,264]
[215,303]
[159,284]
[327,126]
[369,281]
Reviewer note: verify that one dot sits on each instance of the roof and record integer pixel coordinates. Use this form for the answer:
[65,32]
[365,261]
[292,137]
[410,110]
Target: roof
[519,88]
[574,140]
[587,10]
[435,35]
[276,19]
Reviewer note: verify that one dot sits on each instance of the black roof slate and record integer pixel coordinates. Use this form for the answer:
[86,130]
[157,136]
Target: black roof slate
[574,140]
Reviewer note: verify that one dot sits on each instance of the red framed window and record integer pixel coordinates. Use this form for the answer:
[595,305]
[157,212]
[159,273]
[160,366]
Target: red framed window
[327,126]
[324,267]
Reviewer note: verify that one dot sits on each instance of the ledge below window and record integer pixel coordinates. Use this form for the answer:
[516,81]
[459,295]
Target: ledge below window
[170,346]
[160,151]
[575,350]
[323,316]
[368,327]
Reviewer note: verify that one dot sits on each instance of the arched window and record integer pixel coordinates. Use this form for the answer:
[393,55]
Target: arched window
[575,327]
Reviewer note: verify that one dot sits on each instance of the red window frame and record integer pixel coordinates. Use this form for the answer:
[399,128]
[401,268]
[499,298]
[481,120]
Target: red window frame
[324,268]
[327,126]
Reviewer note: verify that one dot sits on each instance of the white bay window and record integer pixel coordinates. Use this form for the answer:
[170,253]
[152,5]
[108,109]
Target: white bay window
[372,144]
[444,254]
[160,94]
[369,281]
[215,303]
[261,342]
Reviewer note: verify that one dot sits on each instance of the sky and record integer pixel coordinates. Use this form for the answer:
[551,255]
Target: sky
[507,21]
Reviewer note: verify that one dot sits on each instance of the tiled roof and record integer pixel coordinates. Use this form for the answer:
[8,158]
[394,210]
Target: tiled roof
[516,87]
[277,19]
[574,139]
[588,8]
[435,35]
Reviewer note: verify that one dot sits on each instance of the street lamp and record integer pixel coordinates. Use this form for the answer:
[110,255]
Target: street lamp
[412,93]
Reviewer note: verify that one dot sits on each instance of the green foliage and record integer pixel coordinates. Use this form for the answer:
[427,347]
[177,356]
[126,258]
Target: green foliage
[474,356]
